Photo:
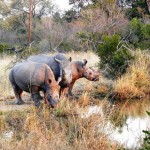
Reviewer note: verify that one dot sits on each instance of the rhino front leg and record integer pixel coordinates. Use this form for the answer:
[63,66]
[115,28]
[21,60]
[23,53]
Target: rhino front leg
[70,88]
[36,95]
[64,91]
[36,98]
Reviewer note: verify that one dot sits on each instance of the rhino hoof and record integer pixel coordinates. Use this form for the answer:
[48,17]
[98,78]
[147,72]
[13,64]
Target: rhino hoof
[20,102]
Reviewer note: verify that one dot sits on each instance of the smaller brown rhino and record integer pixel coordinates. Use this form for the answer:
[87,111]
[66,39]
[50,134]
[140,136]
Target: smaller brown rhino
[81,70]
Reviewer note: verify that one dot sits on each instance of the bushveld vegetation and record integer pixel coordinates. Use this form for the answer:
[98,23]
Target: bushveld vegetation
[111,36]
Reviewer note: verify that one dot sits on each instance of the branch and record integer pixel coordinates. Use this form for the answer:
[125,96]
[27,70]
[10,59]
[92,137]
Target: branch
[55,48]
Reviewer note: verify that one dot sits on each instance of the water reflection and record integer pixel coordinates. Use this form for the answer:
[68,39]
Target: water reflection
[128,120]
[131,133]
[124,121]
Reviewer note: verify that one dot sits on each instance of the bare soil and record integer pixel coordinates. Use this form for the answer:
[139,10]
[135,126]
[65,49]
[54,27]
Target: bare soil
[10,104]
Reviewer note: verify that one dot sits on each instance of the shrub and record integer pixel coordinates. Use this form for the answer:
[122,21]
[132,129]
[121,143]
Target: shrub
[3,47]
[135,82]
[139,34]
[111,57]
[65,46]
[133,13]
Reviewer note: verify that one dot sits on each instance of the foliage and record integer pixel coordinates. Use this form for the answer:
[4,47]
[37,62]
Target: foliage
[146,144]
[70,15]
[65,46]
[135,82]
[138,10]
[139,34]
[111,57]
[133,13]
[3,47]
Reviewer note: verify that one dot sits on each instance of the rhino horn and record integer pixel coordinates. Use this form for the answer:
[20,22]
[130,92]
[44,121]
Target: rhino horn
[59,79]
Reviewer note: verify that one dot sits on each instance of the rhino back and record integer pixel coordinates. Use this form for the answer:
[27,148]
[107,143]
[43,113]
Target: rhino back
[49,60]
[27,74]
[60,56]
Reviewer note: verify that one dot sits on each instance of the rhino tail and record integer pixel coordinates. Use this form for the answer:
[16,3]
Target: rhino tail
[11,78]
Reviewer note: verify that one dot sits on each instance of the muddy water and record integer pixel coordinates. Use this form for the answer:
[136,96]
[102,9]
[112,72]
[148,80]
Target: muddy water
[124,121]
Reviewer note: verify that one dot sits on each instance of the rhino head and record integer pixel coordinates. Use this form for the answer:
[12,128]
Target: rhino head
[52,92]
[65,70]
[89,73]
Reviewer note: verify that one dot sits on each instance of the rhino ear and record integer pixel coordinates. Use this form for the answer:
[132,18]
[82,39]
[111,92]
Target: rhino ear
[70,59]
[85,61]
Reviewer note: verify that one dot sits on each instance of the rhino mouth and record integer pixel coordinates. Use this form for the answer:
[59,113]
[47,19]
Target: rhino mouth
[52,101]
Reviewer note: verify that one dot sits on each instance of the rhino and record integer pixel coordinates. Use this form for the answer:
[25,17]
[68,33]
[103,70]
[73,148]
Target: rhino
[34,77]
[60,65]
[80,69]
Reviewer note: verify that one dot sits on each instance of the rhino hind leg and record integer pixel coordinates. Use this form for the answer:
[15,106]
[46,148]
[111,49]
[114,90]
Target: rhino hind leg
[18,93]
[17,90]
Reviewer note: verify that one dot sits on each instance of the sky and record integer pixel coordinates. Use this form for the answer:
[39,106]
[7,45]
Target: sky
[62,4]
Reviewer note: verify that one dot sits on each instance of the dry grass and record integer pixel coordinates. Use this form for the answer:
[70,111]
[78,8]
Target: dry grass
[45,129]
[60,128]
[135,83]
[5,87]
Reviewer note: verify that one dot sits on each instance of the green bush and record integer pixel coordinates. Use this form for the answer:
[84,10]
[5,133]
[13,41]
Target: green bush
[112,56]
[3,47]
[139,34]
[65,46]
[139,10]
[133,13]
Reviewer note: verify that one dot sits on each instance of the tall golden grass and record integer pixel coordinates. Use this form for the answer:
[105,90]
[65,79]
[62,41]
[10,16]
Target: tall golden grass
[5,87]
[136,81]
[47,129]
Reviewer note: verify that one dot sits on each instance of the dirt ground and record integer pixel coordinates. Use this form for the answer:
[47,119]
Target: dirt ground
[10,104]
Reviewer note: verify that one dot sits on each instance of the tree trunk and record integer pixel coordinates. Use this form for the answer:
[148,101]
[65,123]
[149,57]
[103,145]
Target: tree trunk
[148,5]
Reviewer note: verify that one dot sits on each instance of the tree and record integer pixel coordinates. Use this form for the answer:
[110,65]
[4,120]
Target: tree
[16,12]
[138,9]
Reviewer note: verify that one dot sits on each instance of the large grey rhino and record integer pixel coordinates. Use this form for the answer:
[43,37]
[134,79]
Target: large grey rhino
[60,66]
[80,69]
[34,77]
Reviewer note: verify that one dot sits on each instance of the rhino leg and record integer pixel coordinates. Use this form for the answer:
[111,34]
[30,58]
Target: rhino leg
[17,90]
[36,95]
[60,91]
[65,92]
[18,93]
[70,88]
